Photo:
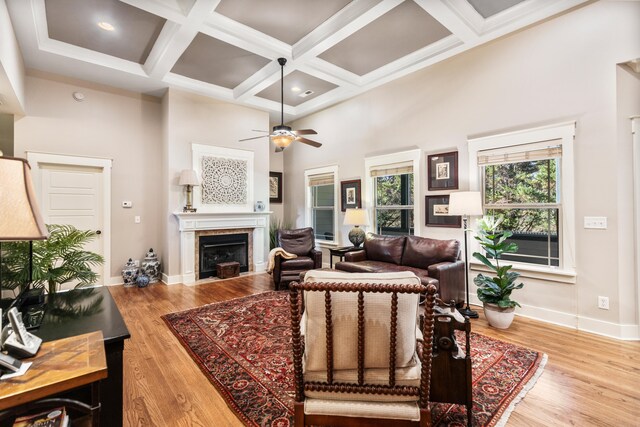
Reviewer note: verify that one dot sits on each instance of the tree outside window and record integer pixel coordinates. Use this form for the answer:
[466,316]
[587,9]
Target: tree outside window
[394,204]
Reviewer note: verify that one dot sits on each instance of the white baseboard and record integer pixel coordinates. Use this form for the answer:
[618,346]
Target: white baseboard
[171,280]
[115,280]
[573,321]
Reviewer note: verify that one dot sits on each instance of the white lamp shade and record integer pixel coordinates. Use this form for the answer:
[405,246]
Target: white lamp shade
[20,217]
[465,203]
[356,217]
[189,177]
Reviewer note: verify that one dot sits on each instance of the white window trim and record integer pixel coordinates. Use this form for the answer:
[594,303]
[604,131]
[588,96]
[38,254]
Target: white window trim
[326,170]
[565,132]
[414,156]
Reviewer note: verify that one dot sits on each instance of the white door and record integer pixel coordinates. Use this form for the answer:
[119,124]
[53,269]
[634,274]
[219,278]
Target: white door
[74,194]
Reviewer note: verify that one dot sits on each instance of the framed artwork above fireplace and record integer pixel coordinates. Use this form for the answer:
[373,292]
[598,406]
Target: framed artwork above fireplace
[226,179]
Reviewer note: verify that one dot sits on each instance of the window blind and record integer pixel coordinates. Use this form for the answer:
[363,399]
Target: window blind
[391,169]
[542,150]
[324,179]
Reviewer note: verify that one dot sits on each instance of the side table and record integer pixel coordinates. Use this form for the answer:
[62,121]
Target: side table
[59,366]
[341,252]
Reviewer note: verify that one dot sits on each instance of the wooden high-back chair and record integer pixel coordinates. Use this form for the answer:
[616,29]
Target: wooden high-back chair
[451,381]
[360,357]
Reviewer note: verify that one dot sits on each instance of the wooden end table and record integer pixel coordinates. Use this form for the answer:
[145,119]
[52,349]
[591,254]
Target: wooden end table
[341,252]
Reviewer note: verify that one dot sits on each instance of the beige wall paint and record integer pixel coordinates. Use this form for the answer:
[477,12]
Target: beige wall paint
[12,85]
[276,164]
[564,69]
[195,119]
[121,126]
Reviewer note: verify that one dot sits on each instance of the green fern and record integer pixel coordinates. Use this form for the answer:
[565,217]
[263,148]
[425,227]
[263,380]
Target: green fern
[58,260]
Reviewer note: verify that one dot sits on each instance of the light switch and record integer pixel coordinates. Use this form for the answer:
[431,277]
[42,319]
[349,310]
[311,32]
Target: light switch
[597,222]
[136,219]
[127,204]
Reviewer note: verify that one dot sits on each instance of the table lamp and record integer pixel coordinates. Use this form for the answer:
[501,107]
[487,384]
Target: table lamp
[356,217]
[189,178]
[20,217]
[466,204]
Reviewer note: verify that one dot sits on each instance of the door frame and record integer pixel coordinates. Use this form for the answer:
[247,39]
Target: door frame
[37,158]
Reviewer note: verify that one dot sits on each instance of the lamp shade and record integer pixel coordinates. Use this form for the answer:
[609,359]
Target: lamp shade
[465,203]
[188,177]
[20,217]
[356,217]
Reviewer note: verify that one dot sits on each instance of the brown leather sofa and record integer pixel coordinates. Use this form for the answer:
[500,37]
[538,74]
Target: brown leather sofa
[300,242]
[433,261]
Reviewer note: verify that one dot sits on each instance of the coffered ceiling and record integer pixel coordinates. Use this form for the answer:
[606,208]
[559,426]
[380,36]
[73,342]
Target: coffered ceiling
[227,49]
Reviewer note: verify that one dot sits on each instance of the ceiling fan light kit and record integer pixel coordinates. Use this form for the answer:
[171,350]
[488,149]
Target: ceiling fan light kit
[282,136]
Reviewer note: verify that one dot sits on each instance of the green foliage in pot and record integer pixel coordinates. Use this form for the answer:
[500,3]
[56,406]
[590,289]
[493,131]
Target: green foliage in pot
[58,260]
[497,289]
[274,225]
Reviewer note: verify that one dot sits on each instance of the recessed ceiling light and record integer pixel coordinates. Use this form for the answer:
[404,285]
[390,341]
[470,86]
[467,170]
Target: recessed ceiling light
[295,89]
[106,26]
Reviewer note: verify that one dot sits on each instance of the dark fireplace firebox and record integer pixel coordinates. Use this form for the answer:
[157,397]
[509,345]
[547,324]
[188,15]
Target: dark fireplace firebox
[219,248]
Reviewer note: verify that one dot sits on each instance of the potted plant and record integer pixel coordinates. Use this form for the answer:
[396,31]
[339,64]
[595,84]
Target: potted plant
[59,259]
[495,292]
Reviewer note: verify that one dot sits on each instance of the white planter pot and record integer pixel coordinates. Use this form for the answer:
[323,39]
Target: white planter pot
[500,318]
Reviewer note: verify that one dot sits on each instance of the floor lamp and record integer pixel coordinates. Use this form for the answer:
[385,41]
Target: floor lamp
[466,204]
[20,217]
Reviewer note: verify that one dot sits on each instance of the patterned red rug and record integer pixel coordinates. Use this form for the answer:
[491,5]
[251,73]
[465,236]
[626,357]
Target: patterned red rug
[243,347]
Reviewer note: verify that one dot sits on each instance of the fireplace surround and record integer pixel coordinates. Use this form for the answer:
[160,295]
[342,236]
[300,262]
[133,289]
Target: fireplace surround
[192,226]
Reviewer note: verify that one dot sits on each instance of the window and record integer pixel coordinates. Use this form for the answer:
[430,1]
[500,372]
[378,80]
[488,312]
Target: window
[393,202]
[526,177]
[522,187]
[321,203]
[391,190]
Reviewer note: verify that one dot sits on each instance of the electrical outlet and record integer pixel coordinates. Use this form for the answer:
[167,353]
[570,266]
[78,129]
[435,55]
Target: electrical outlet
[603,303]
[598,222]
[136,262]
[136,219]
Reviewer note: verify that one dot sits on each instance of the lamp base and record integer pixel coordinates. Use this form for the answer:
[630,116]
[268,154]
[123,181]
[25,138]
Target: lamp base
[189,209]
[356,236]
[466,311]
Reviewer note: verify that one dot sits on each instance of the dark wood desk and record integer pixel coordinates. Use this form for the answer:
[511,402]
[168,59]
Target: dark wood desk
[59,366]
[81,311]
[340,253]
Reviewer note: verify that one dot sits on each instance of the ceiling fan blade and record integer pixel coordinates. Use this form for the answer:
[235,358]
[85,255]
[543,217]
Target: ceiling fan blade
[258,130]
[279,149]
[308,142]
[255,137]
[305,132]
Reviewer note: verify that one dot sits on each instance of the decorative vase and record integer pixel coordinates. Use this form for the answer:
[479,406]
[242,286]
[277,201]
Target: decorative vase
[151,266]
[142,281]
[129,274]
[498,317]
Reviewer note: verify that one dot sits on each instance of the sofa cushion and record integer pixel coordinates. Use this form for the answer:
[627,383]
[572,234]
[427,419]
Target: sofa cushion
[364,266]
[300,263]
[345,321]
[384,248]
[421,252]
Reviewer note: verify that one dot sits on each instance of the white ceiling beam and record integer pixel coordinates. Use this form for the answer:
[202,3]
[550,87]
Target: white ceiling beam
[332,73]
[171,10]
[352,18]
[450,19]
[244,37]
[175,38]
[262,79]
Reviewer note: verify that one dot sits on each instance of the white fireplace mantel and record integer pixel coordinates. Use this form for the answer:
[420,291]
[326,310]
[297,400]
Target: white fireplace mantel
[190,222]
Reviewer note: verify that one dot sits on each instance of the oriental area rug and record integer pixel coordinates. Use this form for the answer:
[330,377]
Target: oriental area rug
[243,346]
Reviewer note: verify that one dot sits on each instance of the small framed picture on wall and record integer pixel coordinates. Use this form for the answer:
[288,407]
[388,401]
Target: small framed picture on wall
[437,212]
[443,171]
[275,187]
[351,195]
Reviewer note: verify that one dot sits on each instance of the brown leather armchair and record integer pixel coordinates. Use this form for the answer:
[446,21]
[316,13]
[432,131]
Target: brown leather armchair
[300,242]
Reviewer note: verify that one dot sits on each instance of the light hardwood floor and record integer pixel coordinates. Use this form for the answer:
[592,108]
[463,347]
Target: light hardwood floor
[588,380]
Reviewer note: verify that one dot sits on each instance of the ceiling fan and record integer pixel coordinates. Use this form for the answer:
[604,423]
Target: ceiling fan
[283,135]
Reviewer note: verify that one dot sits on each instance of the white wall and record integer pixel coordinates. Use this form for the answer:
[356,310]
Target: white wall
[111,124]
[12,86]
[563,69]
[192,119]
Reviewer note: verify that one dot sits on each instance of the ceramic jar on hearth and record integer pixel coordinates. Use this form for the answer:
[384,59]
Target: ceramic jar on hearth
[151,266]
[130,274]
